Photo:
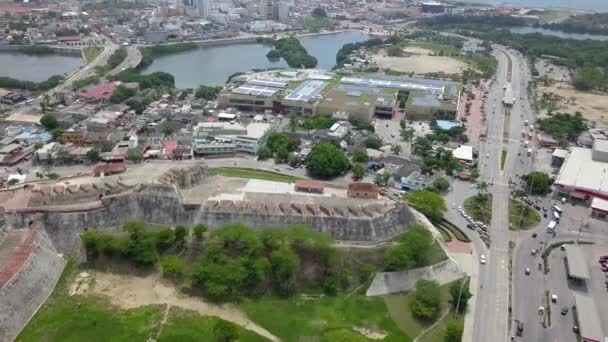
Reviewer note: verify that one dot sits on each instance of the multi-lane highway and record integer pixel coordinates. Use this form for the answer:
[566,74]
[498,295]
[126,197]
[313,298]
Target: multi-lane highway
[504,127]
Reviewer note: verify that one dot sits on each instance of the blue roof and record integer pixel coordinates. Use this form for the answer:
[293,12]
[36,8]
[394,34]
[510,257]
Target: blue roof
[447,125]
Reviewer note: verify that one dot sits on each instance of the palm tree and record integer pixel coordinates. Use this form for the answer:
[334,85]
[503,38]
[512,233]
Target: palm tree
[482,188]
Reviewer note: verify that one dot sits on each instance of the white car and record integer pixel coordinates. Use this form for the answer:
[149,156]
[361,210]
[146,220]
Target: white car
[482,259]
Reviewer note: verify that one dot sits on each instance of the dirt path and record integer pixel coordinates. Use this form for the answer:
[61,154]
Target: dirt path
[131,292]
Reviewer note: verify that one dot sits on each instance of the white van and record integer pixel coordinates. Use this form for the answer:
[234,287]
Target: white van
[551,226]
[556,208]
[556,216]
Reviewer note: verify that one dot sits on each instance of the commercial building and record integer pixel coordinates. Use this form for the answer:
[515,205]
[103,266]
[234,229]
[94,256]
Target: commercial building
[584,174]
[599,208]
[432,7]
[576,266]
[324,93]
[416,181]
[464,153]
[590,328]
[228,138]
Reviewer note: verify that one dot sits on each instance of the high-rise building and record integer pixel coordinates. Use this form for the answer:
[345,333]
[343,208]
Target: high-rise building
[204,8]
[281,10]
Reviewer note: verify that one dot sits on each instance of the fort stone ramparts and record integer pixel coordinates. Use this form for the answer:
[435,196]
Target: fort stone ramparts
[27,280]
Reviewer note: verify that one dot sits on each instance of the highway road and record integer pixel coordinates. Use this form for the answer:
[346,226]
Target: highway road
[504,127]
[132,60]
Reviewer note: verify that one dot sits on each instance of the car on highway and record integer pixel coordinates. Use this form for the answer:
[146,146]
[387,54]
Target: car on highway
[554,298]
[564,311]
[482,259]
[527,271]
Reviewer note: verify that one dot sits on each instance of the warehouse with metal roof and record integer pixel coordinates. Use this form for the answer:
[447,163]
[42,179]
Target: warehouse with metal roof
[588,321]
[576,264]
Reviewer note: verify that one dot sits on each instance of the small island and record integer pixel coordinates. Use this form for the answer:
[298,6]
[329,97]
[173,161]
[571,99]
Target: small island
[292,51]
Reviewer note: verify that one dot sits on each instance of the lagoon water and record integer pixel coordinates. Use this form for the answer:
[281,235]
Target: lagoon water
[36,67]
[589,5]
[213,65]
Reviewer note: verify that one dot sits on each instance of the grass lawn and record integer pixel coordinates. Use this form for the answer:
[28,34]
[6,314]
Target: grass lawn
[183,325]
[479,208]
[255,174]
[437,334]
[399,308]
[520,221]
[262,174]
[553,16]
[91,318]
[318,319]
[91,53]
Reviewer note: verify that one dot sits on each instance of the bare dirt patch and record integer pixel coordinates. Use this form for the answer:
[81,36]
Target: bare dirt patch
[81,284]
[371,334]
[419,62]
[593,106]
[130,292]
[552,71]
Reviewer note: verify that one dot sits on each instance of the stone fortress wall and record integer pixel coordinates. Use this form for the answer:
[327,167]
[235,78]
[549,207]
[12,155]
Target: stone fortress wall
[161,202]
[27,280]
[32,257]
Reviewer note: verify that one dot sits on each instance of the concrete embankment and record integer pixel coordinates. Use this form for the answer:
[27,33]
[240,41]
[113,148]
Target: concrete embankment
[60,50]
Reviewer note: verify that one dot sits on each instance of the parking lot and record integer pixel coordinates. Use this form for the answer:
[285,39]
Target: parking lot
[557,282]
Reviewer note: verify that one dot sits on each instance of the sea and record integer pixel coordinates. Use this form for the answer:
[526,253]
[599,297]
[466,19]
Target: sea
[587,5]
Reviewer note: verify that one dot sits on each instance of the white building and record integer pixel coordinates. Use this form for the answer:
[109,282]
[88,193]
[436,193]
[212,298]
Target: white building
[584,174]
[226,138]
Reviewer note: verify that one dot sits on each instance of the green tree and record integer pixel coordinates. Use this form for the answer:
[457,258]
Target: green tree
[173,266]
[382,178]
[394,50]
[327,160]
[459,291]
[122,93]
[373,143]
[224,331]
[453,331]
[281,141]
[396,149]
[49,122]
[135,156]
[330,286]
[539,183]
[57,134]
[199,230]
[441,184]
[411,250]
[429,203]
[293,160]
[359,171]
[427,300]
[360,156]
[284,265]
[207,92]
[422,146]
[264,153]
[273,238]
[92,155]
[140,248]
[180,234]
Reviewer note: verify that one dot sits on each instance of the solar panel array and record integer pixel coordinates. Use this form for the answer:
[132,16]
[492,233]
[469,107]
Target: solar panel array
[268,83]
[307,90]
[409,84]
[265,88]
[427,100]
